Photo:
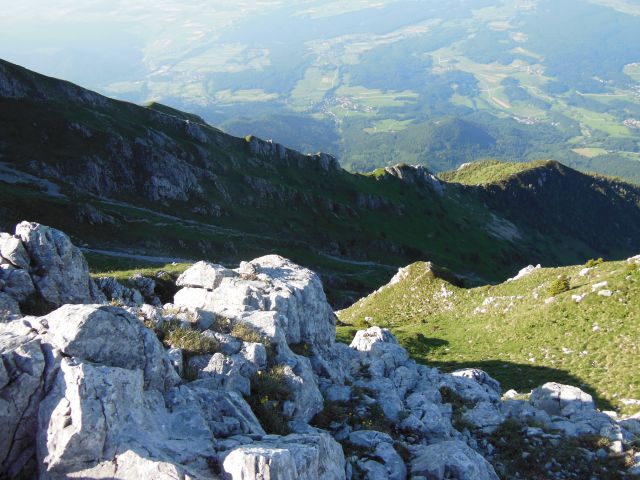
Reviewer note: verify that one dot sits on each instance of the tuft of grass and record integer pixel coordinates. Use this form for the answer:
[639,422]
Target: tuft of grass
[247,333]
[191,341]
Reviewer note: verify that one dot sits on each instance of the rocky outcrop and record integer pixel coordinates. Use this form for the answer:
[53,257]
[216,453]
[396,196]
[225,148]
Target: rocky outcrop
[39,266]
[241,378]
[326,163]
[270,293]
[417,175]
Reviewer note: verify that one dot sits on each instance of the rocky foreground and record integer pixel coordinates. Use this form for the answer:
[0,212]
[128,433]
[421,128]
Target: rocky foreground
[241,378]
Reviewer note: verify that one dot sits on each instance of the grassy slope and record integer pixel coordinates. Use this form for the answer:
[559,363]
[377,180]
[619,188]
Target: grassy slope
[512,332]
[487,171]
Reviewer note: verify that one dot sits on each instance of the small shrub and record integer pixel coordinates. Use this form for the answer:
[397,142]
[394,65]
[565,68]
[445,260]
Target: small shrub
[303,349]
[272,384]
[458,405]
[333,411]
[189,373]
[593,262]
[545,458]
[559,285]
[377,420]
[166,286]
[269,390]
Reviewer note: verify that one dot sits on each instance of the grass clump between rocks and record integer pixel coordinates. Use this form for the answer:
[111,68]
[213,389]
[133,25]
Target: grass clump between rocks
[543,455]
[269,390]
[192,342]
[247,333]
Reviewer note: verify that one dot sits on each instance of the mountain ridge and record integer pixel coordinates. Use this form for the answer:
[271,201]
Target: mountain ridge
[123,177]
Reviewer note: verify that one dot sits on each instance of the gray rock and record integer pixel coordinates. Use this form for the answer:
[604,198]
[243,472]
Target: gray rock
[17,282]
[177,360]
[225,413]
[230,373]
[255,353]
[204,275]
[451,459]
[118,293]
[479,376]
[470,390]
[58,269]
[228,345]
[11,249]
[246,269]
[365,339]
[147,288]
[338,393]
[22,378]
[100,422]
[89,332]
[369,438]
[9,308]
[307,400]
[393,463]
[373,470]
[484,416]
[309,456]
[297,293]
[427,418]
[558,399]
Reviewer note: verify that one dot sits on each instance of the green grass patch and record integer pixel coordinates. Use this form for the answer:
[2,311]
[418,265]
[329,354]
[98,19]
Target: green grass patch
[513,331]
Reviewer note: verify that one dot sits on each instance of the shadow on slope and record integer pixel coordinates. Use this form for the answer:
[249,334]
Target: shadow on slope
[522,377]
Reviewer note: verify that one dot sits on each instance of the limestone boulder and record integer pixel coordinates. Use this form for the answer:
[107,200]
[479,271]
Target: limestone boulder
[23,375]
[58,268]
[558,399]
[111,336]
[17,282]
[9,308]
[275,285]
[204,275]
[451,459]
[118,294]
[312,456]
[12,250]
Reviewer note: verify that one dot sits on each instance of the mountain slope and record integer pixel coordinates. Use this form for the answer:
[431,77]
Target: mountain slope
[158,182]
[523,332]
